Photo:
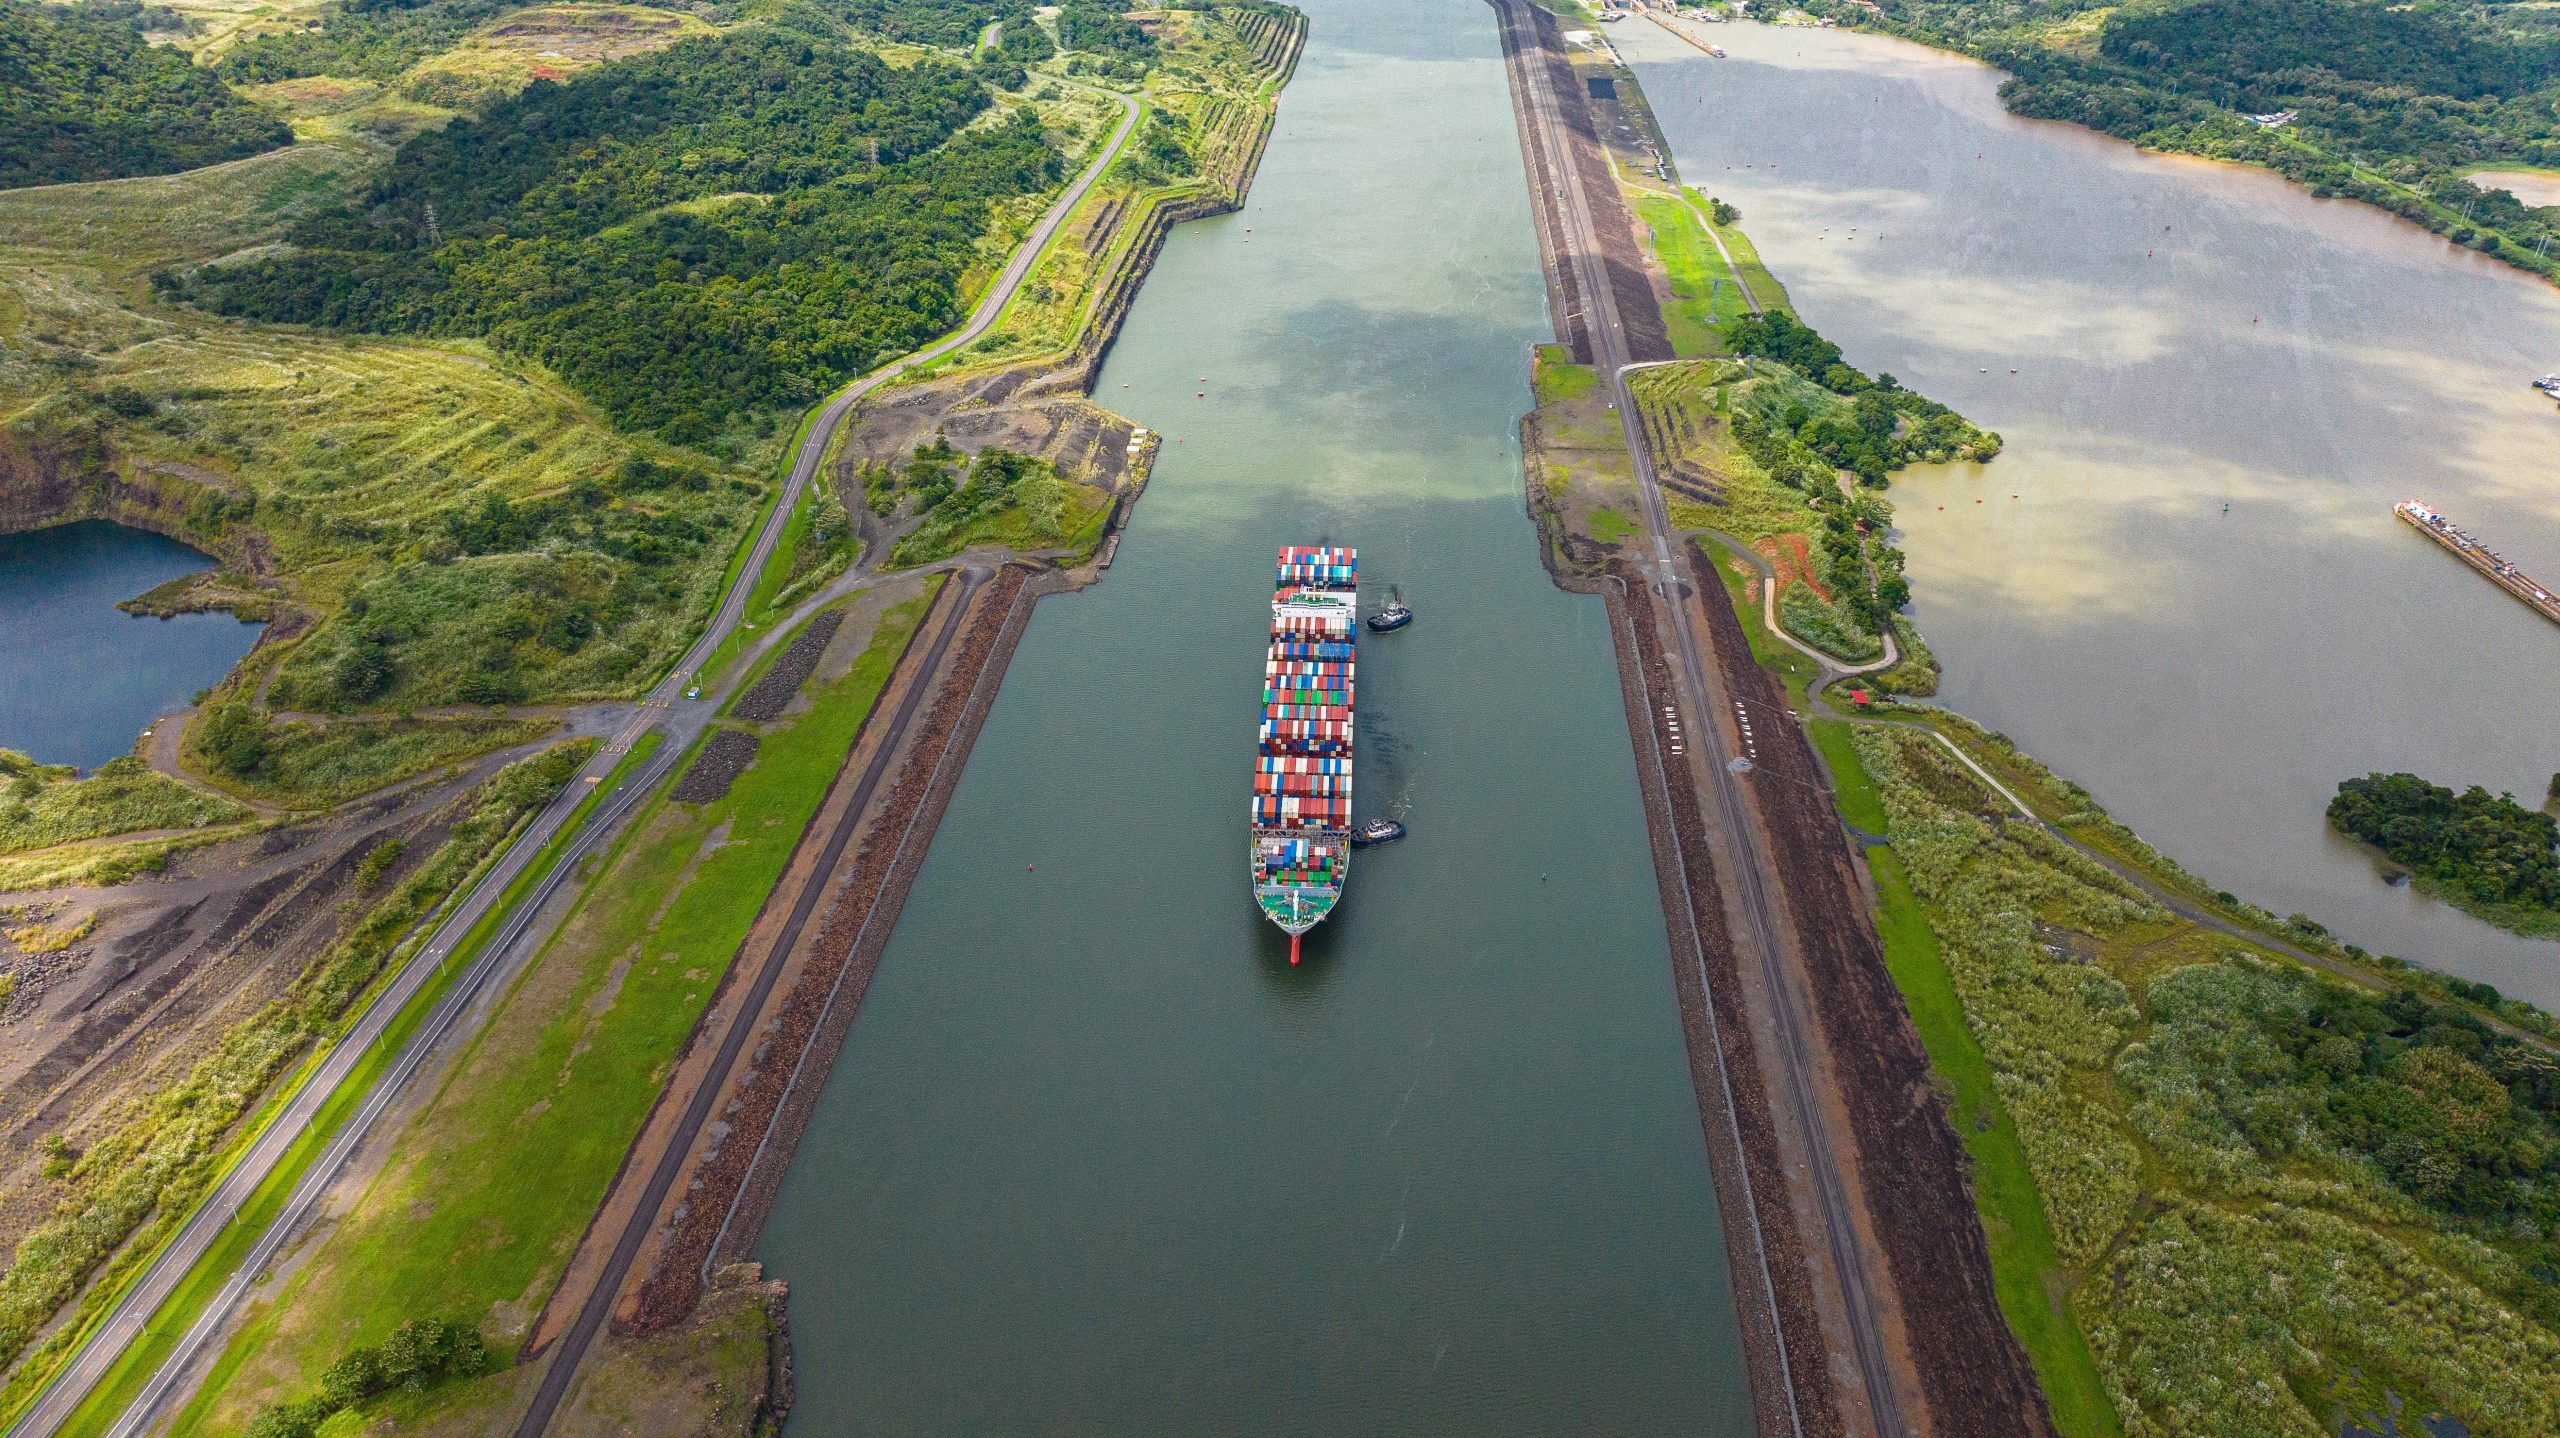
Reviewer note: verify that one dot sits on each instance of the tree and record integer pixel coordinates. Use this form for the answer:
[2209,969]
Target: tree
[234,738]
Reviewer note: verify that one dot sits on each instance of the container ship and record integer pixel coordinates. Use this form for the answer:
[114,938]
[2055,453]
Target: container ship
[2479,556]
[1302,765]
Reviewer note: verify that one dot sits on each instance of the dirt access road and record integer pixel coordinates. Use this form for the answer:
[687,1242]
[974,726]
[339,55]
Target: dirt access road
[667,708]
[1908,1339]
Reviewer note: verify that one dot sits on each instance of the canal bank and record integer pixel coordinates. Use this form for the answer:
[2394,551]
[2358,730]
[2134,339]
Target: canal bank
[2185,336]
[1094,1158]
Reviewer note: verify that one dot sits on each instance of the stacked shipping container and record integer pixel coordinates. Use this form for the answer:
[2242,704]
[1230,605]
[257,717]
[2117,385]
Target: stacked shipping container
[1302,772]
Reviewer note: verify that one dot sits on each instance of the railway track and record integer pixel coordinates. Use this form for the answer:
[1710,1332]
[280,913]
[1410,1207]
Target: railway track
[1546,123]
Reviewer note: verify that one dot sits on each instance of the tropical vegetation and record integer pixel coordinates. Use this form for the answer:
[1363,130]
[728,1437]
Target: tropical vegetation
[2389,104]
[2482,850]
[2277,1198]
[85,96]
[738,222]
[44,804]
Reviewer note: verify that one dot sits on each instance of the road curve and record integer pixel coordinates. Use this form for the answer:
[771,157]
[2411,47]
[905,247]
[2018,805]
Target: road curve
[1831,668]
[130,1318]
[823,429]
[1760,934]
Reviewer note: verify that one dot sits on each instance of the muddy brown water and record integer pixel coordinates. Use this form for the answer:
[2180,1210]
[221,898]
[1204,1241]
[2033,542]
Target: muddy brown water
[2533,187]
[2185,336]
[1095,1159]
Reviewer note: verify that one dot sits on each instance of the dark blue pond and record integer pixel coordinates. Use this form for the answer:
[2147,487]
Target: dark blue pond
[80,678]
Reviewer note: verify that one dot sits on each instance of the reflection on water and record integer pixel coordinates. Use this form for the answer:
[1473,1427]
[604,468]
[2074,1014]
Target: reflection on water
[2185,337]
[1095,1159]
[79,678]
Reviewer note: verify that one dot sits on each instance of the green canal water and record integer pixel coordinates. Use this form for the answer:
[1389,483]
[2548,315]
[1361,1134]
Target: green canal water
[1095,1159]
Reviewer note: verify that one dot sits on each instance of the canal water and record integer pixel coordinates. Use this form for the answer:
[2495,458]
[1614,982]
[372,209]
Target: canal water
[80,678]
[2186,336]
[1095,1159]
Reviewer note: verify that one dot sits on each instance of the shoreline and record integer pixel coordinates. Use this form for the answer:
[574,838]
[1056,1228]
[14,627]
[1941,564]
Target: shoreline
[711,1212]
[1076,369]
[1880,1315]
[1858,22]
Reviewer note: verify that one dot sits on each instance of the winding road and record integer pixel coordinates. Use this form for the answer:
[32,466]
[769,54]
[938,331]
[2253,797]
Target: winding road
[666,707]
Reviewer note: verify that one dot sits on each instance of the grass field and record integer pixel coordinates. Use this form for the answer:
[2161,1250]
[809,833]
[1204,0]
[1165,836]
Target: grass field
[1746,261]
[42,806]
[487,1192]
[1556,378]
[2028,1273]
[1704,292]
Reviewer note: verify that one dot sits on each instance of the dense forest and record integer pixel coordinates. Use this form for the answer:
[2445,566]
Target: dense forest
[2389,104]
[733,224]
[2474,845]
[2461,1119]
[83,97]
[1888,426]
[361,40]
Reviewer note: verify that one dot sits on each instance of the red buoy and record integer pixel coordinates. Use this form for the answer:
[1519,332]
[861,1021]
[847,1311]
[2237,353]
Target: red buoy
[1293,949]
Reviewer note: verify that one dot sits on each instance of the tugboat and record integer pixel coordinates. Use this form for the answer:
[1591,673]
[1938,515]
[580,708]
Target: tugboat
[2549,384]
[1376,831]
[1394,616]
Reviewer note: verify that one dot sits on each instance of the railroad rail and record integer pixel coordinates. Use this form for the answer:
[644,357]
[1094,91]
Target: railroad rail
[2479,556]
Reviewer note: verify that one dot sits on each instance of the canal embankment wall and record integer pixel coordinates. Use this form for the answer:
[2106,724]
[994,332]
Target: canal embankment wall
[1911,1222]
[713,1215]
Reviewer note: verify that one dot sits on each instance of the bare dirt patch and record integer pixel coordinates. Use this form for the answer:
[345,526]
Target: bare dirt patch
[171,961]
[1791,561]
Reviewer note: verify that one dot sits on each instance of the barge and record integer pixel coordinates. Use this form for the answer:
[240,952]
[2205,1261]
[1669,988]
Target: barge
[2479,556]
[1301,848]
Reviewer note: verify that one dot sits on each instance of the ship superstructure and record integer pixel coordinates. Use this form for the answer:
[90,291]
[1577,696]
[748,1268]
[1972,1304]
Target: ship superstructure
[1302,762]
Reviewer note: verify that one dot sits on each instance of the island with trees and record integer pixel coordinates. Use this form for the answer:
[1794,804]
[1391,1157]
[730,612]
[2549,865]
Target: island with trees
[2485,853]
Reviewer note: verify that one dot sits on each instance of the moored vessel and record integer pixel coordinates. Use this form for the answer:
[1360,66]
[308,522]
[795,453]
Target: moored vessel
[2479,556]
[1302,766]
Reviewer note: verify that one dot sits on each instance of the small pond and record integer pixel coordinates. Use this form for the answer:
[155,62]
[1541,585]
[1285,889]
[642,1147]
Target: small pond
[80,678]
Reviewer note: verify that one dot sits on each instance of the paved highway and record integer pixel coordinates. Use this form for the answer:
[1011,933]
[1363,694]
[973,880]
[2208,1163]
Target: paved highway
[667,708]
[1751,872]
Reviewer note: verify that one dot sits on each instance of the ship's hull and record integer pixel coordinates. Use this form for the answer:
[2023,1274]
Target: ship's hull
[1300,850]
